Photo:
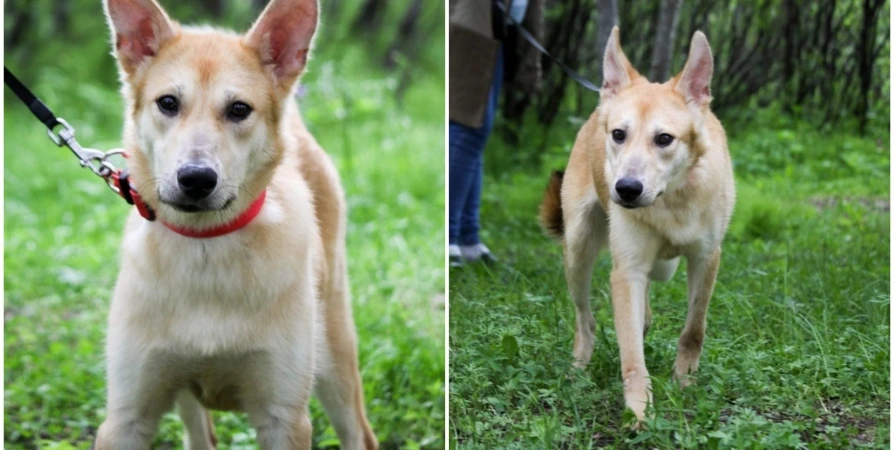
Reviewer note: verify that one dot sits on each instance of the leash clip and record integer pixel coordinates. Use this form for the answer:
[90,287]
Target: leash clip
[95,160]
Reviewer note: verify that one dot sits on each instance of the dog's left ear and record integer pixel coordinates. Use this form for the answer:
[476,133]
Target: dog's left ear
[694,82]
[282,36]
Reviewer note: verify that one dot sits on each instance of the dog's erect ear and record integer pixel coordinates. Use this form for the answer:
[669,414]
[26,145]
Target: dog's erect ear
[139,28]
[282,36]
[617,72]
[694,82]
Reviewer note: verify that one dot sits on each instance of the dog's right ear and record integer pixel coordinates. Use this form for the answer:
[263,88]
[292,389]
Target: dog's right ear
[139,28]
[617,72]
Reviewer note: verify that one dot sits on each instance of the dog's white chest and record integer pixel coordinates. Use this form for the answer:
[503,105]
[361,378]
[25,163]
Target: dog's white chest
[214,295]
[680,226]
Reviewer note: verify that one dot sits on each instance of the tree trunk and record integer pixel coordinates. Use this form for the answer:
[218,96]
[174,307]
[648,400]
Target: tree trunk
[607,12]
[666,28]
[406,35]
[369,17]
[866,56]
[214,7]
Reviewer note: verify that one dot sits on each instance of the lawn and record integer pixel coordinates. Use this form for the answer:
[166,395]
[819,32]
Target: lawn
[63,229]
[797,350]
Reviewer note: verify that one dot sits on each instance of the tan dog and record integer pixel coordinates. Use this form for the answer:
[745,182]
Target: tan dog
[253,319]
[649,175]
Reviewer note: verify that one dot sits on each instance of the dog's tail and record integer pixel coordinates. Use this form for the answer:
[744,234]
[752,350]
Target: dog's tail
[551,207]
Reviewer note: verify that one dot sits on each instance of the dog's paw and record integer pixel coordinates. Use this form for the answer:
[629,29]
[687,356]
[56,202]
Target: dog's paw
[580,364]
[684,379]
[631,421]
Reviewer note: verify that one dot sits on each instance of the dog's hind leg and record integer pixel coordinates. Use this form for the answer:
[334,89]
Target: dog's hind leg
[647,319]
[701,274]
[585,235]
[662,270]
[340,391]
[338,385]
[197,421]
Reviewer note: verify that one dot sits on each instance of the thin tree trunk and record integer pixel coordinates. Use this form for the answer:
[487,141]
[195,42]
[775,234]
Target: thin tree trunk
[369,17]
[866,52]
[406,33]
[215,7]
[607,17]
[664,39]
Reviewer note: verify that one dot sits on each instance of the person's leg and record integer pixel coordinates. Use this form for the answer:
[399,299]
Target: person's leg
[468,223]
[466,147]
[468,238]
[465,155]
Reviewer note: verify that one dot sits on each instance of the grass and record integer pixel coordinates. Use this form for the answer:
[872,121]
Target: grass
[63,229]
[796,353]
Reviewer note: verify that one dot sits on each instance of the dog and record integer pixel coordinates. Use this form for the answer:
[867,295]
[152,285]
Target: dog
[236,297]
[649,176]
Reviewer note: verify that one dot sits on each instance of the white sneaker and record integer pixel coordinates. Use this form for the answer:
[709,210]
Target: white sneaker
[476,252]
[456,258]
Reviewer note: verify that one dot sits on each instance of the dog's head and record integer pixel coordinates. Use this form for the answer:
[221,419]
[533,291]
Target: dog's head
[651,129]
[205,106]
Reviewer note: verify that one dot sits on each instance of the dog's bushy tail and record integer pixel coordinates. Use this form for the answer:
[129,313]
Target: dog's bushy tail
[551,207]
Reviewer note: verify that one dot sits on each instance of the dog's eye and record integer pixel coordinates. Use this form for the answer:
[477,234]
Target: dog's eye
[619,135]
[168,105]
[664,139]
[238,111]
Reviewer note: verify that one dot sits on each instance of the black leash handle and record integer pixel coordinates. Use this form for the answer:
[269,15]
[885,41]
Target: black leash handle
[533,41]
[36,106]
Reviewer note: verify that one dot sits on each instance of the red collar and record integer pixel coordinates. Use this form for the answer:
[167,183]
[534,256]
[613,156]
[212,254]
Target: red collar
[236,224]
[125,190]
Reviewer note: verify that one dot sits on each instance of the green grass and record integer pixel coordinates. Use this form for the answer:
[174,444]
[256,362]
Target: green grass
[63,229]
[797,350]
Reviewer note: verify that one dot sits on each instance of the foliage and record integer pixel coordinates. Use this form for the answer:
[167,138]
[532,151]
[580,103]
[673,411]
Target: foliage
[63,231]
[826,57]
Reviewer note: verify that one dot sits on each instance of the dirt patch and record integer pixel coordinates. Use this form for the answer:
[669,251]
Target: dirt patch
[878,204]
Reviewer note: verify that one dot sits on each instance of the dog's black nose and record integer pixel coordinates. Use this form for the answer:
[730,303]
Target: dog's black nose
[629,189]
[197,182]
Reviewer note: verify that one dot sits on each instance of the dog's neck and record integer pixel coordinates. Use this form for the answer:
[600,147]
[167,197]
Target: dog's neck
[232,226]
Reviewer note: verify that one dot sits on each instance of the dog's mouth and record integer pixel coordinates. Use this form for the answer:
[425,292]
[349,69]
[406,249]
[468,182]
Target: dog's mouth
[638,203]
[199,206]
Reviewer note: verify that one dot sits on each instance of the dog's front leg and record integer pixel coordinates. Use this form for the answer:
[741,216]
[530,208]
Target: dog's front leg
[276,395]
[633,250]
[700,275]
[628,295]
[278,385]
[137,398]
[585,234]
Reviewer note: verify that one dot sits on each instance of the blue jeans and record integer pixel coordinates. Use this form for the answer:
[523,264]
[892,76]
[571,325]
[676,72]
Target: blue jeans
[467,168]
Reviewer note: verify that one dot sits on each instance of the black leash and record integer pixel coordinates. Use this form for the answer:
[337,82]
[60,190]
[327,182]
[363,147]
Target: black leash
[95,160]
[533,41]
[41,111]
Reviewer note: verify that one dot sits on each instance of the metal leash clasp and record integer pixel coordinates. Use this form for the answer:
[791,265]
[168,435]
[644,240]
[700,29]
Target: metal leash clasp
[96,160]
